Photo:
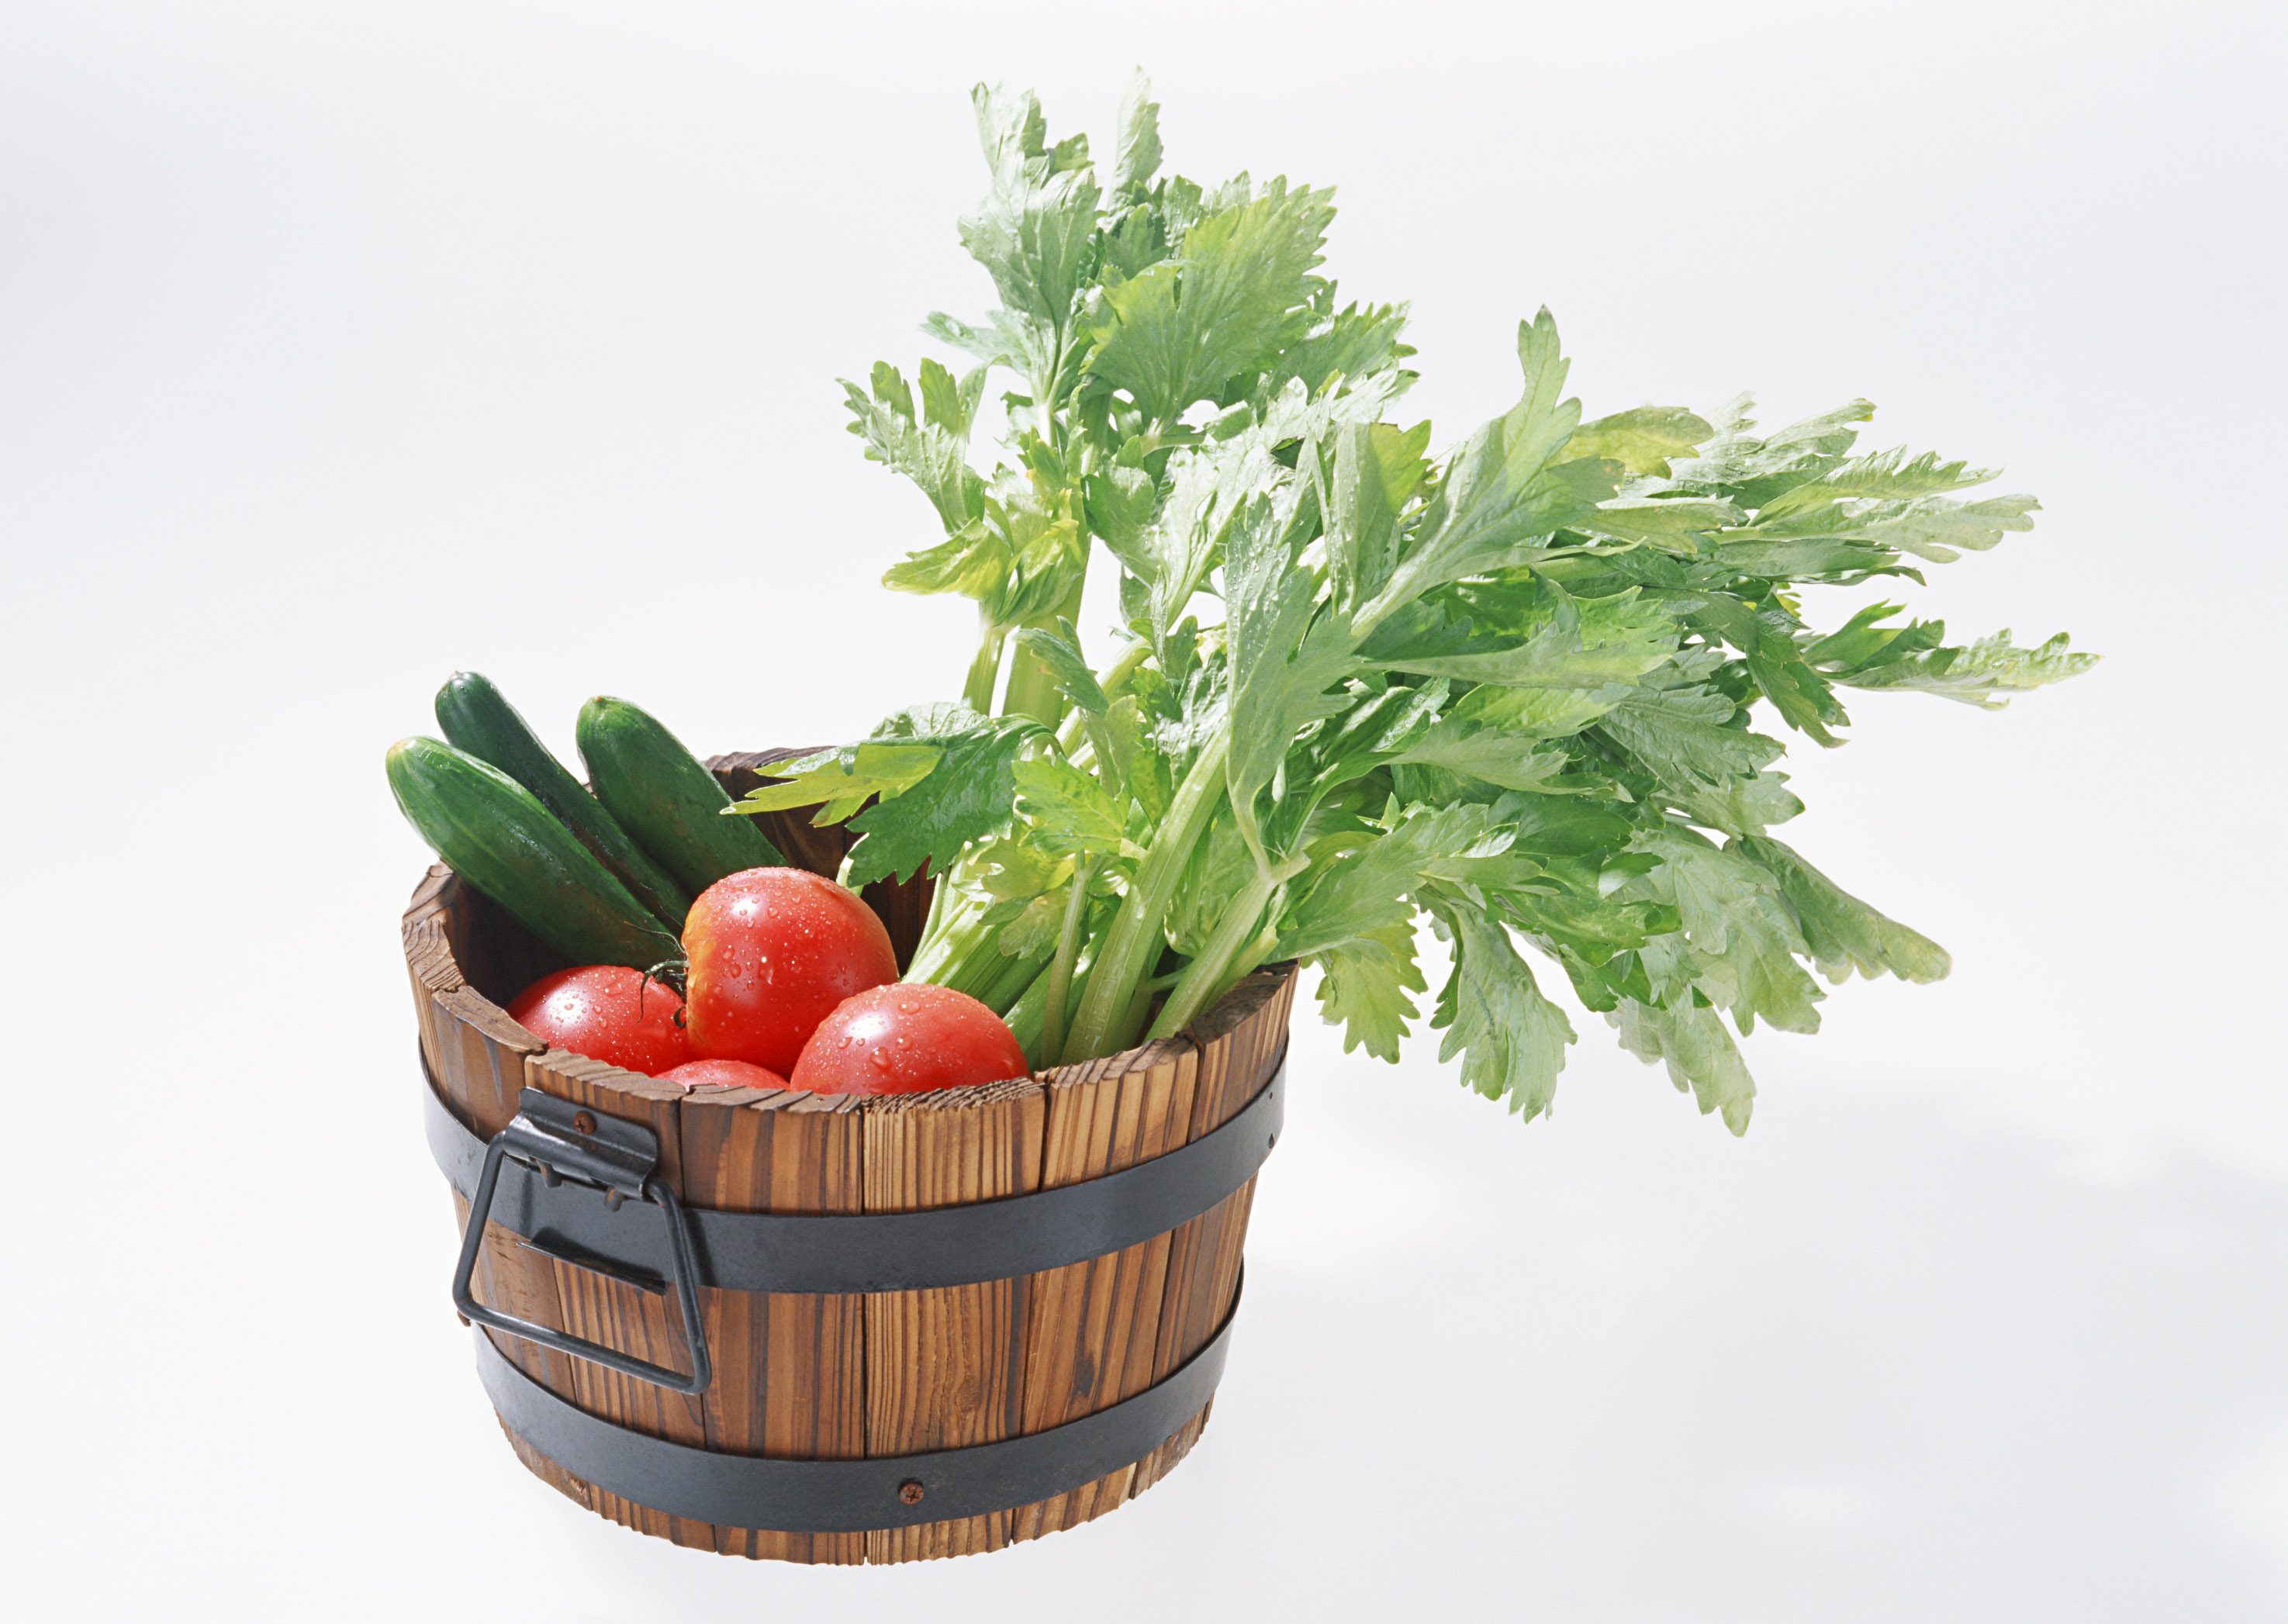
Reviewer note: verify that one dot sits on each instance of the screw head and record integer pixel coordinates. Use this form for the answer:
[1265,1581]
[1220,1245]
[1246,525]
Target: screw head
[582,1122]
[910,1491]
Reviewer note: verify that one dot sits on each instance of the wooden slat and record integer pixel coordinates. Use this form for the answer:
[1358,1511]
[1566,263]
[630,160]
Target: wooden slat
[1237,1057]
[476,1053]
[494,953]
[944,1367]
[1092,1329]
[625,1318]
[789,1368]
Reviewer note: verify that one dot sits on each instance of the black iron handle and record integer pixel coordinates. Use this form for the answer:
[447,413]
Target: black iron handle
[621,1165]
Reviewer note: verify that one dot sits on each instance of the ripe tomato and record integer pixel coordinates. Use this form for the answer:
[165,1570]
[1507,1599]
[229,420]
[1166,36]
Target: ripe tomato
[607,1012]
[905,1039]
[722,1074]
[772,951]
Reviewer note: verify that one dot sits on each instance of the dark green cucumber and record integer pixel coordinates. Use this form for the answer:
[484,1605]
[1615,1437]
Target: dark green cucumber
[477,719]
[662,796]
[497,837]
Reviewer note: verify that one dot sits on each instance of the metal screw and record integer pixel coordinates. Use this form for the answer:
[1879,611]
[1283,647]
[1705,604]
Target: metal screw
[582,1122]
[910,1491]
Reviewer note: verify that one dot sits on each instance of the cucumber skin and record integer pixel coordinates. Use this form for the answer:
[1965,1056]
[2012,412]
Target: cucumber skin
[661,793]
[495,833]
[477,717]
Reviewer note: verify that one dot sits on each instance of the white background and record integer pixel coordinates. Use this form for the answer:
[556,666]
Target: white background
[343,346]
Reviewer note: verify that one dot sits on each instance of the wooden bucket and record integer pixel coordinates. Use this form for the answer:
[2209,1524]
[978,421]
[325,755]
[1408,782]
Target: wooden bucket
[879,1375]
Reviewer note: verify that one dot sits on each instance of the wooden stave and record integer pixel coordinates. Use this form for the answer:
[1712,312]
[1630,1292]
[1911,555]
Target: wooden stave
[1013,1355]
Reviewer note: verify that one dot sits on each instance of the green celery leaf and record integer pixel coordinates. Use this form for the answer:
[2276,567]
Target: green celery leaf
[839,782]
[1175,333]
[1511,1038]
[1505,488]
[1742,932]
[1702,1059]
[1369,889]
[1843,932]
[1881,475]
[1286,655]
[967,794]
[1136,151]
[1032,231]
[1011,871]
[949,403]
[1690,732]
[1363,987]
[1373,730]
[1003,341]
[1512,761]
[1033,933]
[1142,771]
[1674,524]
[1525,631]
[974,563]
[1220,864]
[1367,472]
[1642,439]
[1356,342]
[1737,465]
[1738,805]
[1121,502]
[1069,811]
[1807,558]
[1059,651]
[931,453]
[1976,674]
[1932,527]
[1540,713]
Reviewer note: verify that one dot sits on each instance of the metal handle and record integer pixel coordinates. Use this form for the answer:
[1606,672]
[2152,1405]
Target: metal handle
[564,1143]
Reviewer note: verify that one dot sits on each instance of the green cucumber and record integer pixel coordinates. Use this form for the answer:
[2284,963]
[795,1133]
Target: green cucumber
[477,719]
[662,796]
[498,836]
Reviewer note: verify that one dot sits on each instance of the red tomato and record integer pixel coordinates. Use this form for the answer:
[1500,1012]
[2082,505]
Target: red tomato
[607,1012]
[905,1039]
[772,951]
[722,1074]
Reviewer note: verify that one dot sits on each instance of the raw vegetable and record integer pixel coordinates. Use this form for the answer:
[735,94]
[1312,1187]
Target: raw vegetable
[608,1013]
[771,952]
[721,1074]
[659,793]
[906,1039]
[476,718]
[504,842]
[1516,691]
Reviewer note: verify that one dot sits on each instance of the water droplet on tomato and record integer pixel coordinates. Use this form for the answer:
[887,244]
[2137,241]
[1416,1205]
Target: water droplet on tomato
[881,1058]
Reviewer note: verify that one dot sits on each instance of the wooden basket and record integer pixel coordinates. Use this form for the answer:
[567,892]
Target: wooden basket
[858,1376]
